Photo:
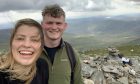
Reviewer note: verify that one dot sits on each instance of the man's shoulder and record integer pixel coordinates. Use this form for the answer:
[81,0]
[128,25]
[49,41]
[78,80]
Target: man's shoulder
[67,43]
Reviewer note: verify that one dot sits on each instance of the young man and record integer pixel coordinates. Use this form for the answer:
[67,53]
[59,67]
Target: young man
[55,48]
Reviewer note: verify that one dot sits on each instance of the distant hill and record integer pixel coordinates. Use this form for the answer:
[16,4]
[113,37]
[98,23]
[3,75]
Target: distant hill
[4,38]
[96,32]
[136,41]
[102,25]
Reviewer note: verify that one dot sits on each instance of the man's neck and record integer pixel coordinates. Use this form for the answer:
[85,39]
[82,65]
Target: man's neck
[52,43]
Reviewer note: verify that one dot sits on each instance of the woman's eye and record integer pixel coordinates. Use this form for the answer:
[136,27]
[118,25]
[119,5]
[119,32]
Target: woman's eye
[35,40]
[19,39]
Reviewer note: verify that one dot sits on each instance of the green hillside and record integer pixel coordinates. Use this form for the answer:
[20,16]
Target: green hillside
[127,50]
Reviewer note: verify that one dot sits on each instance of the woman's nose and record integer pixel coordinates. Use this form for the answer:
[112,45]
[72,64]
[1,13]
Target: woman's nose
[27,43]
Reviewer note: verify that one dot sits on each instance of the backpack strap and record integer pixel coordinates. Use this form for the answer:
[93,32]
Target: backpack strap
[71,55]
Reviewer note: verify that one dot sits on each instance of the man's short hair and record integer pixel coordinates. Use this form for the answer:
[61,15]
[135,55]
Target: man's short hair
[53,10]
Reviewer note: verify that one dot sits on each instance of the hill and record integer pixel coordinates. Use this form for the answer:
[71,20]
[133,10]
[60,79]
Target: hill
[93,32]
[96,32]
[4,38]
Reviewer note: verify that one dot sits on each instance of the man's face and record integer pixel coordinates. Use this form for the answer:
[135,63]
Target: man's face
[53,27]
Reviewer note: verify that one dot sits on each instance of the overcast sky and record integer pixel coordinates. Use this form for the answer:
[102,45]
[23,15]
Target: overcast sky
[76,5]
[12,10]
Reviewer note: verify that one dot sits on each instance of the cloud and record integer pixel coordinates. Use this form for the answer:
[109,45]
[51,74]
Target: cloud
[6,5]
[12,10]
[71,5]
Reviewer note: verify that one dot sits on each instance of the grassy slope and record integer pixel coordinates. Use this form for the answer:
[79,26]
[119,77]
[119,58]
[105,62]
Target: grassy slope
[125,49]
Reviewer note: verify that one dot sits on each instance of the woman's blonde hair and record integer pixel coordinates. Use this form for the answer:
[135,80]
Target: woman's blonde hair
[7,62]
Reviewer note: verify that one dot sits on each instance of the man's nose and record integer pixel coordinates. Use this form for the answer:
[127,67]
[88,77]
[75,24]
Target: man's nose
[54,25]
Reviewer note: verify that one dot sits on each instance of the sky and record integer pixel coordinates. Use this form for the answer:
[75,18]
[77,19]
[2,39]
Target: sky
[12,10]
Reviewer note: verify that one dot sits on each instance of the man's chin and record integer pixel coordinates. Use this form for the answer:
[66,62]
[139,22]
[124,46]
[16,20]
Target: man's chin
[55,38]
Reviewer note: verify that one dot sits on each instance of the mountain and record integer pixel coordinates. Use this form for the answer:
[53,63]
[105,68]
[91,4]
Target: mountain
[103,25]
[102,31]
[96,32]
[136,41]
[4,38]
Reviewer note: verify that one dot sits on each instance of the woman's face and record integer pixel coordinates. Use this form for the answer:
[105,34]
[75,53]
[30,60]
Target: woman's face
[26,45]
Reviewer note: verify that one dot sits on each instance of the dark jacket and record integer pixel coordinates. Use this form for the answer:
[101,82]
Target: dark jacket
[41,76]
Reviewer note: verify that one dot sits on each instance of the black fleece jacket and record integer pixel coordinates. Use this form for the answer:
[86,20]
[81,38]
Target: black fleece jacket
[41,76]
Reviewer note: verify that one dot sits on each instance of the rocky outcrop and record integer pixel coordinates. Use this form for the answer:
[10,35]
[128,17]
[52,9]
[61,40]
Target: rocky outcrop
[111,69]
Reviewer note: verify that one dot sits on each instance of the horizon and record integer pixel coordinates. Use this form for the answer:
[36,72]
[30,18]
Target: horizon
[12,11]
[131,16]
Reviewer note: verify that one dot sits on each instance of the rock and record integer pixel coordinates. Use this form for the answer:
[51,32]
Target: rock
[88,81]
[111,71]
[123,80]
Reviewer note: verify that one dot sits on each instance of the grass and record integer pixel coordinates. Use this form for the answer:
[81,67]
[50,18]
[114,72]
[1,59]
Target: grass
[130,50]
[127,50]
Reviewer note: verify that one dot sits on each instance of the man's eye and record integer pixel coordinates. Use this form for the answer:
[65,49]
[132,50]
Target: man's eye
[58,23]
[49,23]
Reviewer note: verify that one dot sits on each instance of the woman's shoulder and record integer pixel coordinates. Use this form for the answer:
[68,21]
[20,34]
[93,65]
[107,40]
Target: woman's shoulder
[3,74]
[42,74]
[41,63]
[4,77]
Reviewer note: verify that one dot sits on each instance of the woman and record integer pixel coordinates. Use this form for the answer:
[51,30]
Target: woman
[21,64]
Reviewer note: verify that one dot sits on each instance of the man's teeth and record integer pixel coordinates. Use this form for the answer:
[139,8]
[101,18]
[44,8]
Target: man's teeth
[26,52]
